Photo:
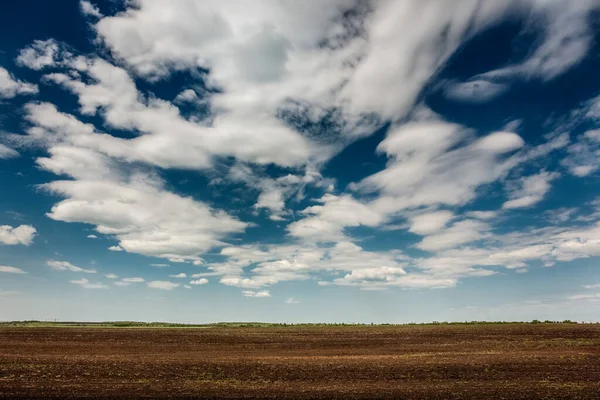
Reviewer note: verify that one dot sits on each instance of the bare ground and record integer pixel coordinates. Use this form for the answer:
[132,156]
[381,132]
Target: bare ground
[547,361]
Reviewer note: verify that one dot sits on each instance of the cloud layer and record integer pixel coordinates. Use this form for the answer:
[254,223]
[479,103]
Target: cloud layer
[260,99]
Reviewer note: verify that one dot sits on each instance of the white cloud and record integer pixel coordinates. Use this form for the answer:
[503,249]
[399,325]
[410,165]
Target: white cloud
[485,215]
[129,281]
[41,54]
[292,300]
[84,283]
[12,270]
[273,264]
[133,280]
[11,87]
[459,233]
[514,251]
[181,275]
[111,276]
[186,96]
[204,274]
[275,70]
[433,162]
[567,38]
[428,223]
[261,293]
[274,192]
[6,152]
[90,10]
[261,56]
[164,285]
[187,286]
[22,234]
[474,91]
[560,215]
[201,281]
[159,265]
[123,203]
[92,237]
[584,156]
[595,286]
[326,222]
[593,296]
[67,266]
[114,96]
[530,190]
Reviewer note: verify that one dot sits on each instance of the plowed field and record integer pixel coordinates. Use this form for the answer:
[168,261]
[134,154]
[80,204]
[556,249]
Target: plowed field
[521,361]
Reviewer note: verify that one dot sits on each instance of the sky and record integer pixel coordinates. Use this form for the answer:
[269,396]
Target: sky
[286,161]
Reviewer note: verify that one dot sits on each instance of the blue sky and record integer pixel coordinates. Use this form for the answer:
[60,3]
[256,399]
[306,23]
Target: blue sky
[357,161]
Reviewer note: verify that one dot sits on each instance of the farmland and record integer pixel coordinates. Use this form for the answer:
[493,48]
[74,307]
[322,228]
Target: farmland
[471,361]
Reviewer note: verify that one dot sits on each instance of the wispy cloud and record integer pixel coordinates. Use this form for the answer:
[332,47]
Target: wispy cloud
[86,284]
[164,285]
[12,270]
[261,293]
[67,266]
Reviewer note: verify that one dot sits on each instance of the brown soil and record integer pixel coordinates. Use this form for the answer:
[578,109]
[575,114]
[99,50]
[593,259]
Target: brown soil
[554,361]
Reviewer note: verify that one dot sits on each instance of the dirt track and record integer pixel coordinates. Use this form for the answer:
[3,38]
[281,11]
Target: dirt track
[553,361]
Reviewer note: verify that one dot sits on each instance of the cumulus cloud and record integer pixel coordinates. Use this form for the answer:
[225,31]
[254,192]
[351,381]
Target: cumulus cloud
[67,266]
[11,87]
[292,300]
[129,281]
[584,155]
[460,232]
[111,276]
[12,270]
[6,152]
[186,96]
[22,234]
[274,192]
[326,222]
[181,275]
[427,223]
[92,237]
[273,264]
[41,54]
[163,285]
[433,162]
[133,280]
[90,10]
[126,204]
[263,55]
[530,190]
[201,281]
[261,293]
[84,283]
